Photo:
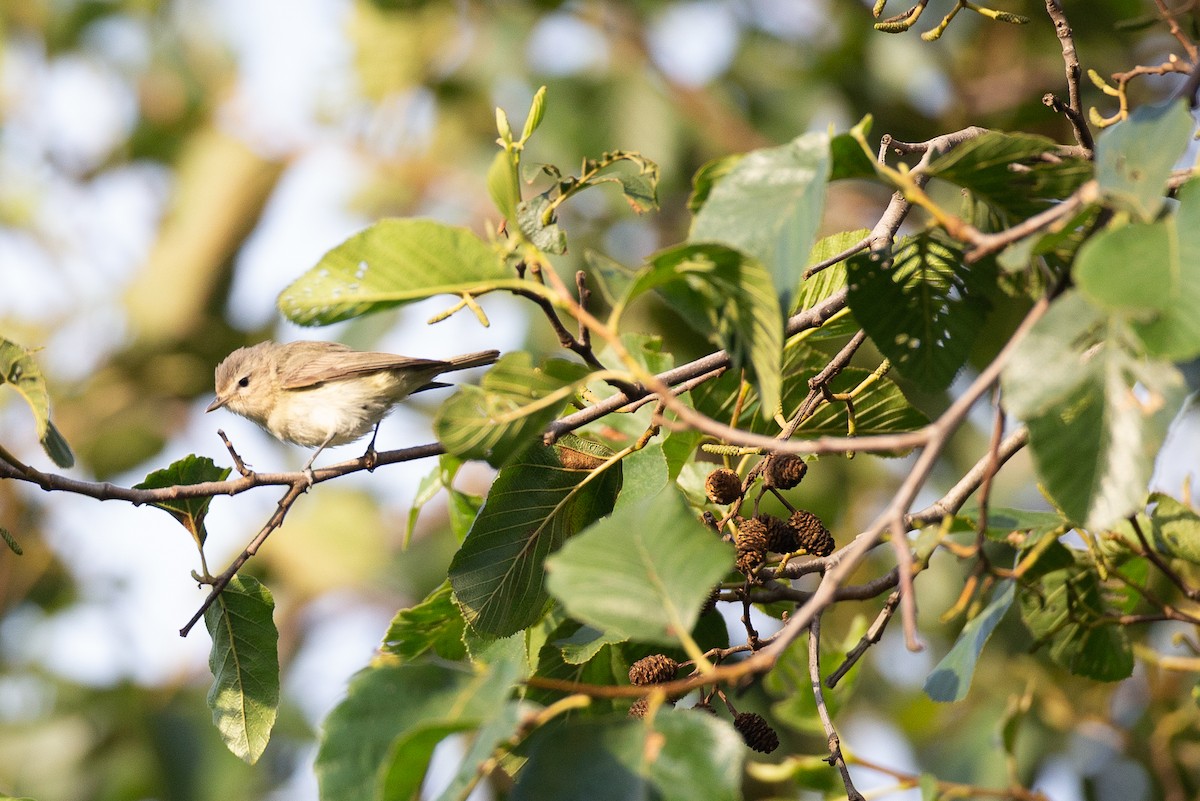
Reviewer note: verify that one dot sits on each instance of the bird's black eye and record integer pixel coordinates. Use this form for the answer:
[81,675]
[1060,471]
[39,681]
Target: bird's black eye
[244,382]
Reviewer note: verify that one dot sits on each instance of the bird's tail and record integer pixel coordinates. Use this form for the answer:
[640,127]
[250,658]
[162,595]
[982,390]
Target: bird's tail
[472,360]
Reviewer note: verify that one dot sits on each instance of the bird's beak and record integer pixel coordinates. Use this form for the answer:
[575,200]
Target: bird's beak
[216,404]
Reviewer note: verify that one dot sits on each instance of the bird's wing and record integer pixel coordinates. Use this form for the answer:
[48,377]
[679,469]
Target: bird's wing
[311,366]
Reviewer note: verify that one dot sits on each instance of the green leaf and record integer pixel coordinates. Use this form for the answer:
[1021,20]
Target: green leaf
[951,679]
[245,667]
[18,369]
[644,475]
[435,624]
[1134,158]
[391,263]
[1063,610]
[1003,520]
[190,512]
[585,643]
[541,230]
[507,412]
[1097,411]
[391,716]
[769,205]
[403,770]
[537,110]
[880,408]
[643,572]
[497,730]
[1174,529]
[1151,272]
[679,756]
[503,185]
[922,307]
[603,666]
[708,176]
[847,156]
[535,504]
[726,295]
[439,478]
[819,287]
[637,176]
[1009,173]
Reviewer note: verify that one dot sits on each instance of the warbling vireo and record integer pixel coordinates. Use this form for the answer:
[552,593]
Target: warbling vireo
[318,394]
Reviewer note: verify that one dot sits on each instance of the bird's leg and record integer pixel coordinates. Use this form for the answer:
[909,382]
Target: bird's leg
[372,455]
[308,473]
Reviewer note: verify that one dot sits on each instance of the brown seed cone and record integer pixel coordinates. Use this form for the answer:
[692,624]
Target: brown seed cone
[639,708]
[653,669]
[751,544]
[780,536]
[749,561]
[811,534]
[757,733]
[753,533]
[784,471]
[723,486]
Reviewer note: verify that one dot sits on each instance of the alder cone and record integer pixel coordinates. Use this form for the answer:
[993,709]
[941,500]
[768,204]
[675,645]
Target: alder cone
[723,486]
[811,534]
[757,733]
[653,669]
[784,471]
[752,546]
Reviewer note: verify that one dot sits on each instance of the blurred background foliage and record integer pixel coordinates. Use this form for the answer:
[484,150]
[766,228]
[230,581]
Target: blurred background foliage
[167,167]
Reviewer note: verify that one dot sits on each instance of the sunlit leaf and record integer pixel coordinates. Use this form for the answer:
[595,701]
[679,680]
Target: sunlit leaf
[503,185]
[1151,272]
[1097,410]
[507,412]
[1009,173]
[880,407]
[769,206]
[245,666]
[1174,529]
[536,503]
[725,295]
[391,263]
[21,372]
[435,624]
[709,174]
[190,512]
[922,307]
[1134,158]
[642,572]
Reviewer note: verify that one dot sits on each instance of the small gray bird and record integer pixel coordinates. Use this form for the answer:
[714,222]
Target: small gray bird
[319,394]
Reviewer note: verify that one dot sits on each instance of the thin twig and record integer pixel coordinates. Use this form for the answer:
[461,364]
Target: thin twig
[220,582]
[835,757]
[871,637]
[1074,108]
[1192,593]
